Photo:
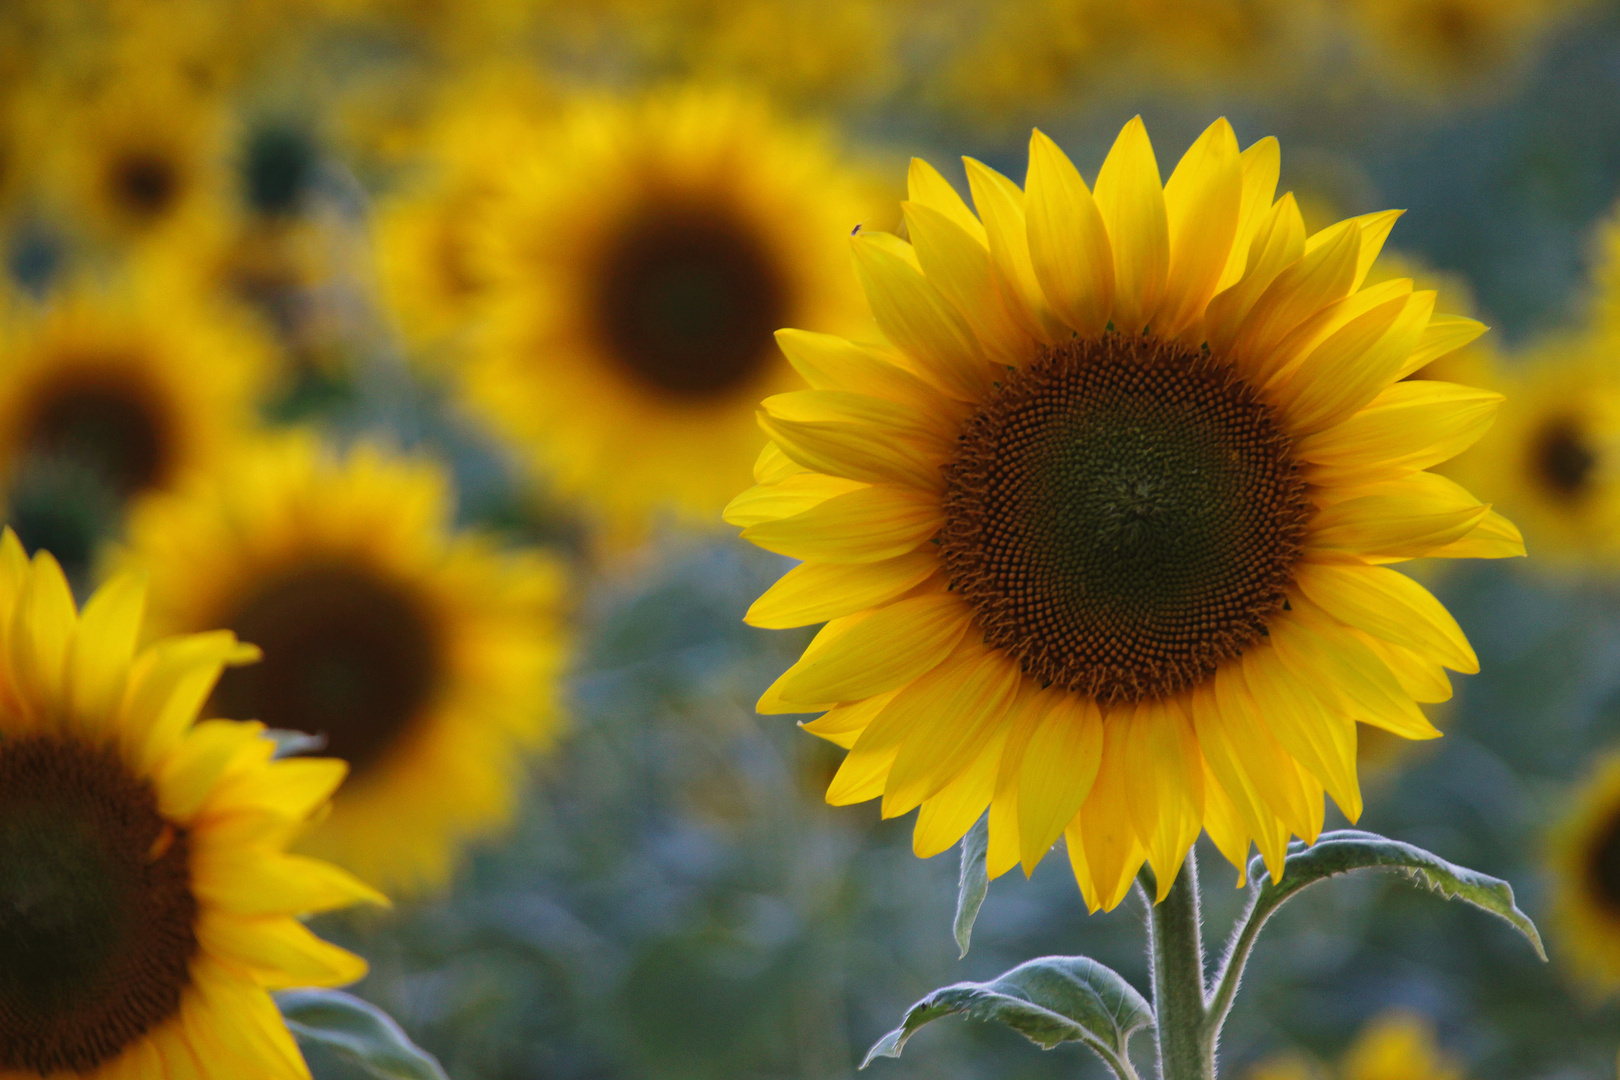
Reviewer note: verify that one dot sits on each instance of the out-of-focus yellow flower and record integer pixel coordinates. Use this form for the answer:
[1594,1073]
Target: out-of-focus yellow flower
[1100,527]
[1446,44]
[150,902]
[429,231]
[1585,852]
[428,659]
[641,257]
[1397,1045]
[107,395]
[1552,459]
[1004,58]
[142,154]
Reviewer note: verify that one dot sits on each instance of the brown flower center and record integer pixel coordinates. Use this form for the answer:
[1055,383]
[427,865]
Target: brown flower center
[688,298]
[144,183]
[106,422]
[348,654]
[97,915]
[1124,515]
[1603,868]
[1562,459]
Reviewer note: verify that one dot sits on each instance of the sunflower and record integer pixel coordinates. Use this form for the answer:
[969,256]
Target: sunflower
[148,903]
[1585,854]
[641,258]
[1552,461]
[1440,44]
[109,394]
[144,154]
[1101,527]
[1397,1045]
[427,230]
[427,660]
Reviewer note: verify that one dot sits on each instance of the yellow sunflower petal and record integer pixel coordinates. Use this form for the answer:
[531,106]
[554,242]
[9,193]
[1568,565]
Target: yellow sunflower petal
[1023,717]
[104,645]
[945,817]
[1001,208]
[1203,200]
[961,267]
[1131,199]
[1261,165]
[793,494]
[828,362]
[1389,605]
[892,646]
[867,525]
[1306,286]
[280,951]
[1164,786]
[1278,243]
[1444,334]
[1410,425]
[1068,242]
[926,187]
[1321,740]
[914,315]
[929,760]
[1060,760]
[815,592]
[1112,852]
[1348,370]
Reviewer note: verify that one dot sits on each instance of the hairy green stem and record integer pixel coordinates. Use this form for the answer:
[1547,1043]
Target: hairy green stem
[1176,948]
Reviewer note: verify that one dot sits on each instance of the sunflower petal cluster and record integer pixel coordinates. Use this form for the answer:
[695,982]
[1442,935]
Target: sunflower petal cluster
[637,259]
[1103,523]
[148,903]
[429,658]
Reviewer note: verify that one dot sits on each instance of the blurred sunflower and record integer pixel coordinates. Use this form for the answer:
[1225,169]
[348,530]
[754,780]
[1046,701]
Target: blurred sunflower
[1102,528]
[1552,461]
[143,154]
[1444,44]
[107,395]
[149,904]
[1397,1045]
[428,231]
[640,260]
[1585,852]
[427,660]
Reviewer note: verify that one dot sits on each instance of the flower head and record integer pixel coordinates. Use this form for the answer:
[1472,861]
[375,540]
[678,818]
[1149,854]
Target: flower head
[1101,527]
[147,902]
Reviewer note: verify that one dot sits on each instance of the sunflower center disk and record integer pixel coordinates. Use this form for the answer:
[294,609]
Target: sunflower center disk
[1124,515]
[146,184]
[96,909]
[348,654]
[688,298]
[1561,458]
[105,424]
[1603,868]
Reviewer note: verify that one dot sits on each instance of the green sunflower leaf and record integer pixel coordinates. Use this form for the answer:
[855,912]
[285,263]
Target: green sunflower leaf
[1344,850]
[358,1031]
[974,881]
[1051,1000]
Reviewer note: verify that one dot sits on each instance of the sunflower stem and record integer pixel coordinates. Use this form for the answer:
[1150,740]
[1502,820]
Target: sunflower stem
[1176,949]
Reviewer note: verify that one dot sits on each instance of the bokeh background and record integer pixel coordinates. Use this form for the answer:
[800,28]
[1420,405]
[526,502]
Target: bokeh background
[672,899]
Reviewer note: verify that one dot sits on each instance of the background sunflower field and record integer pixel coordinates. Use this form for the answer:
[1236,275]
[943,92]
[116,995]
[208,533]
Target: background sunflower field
[423,339]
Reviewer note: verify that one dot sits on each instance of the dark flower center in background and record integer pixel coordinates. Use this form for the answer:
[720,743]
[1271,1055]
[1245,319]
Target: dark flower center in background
[278,166]
[688,298]
[1603,870]
[1124,515]
[105,422]
[144,183]
[348,654]
[96,909]
[1561,458]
